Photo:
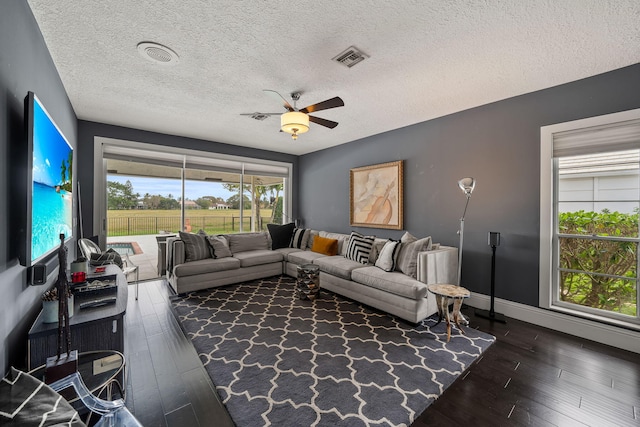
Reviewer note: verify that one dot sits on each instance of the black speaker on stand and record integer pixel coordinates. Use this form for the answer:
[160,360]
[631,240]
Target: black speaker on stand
[494,242]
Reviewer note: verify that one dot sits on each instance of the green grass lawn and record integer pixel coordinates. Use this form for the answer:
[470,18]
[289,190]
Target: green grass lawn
[138,222]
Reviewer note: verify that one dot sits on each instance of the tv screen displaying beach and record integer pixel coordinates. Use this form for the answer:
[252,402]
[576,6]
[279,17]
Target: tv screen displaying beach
[52,203]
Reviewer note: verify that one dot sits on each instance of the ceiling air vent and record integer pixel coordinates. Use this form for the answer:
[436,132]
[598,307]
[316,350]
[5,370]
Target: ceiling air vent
[157,53]
[350,57]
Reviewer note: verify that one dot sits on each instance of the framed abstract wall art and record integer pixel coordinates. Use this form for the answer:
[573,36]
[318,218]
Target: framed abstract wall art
[375,194]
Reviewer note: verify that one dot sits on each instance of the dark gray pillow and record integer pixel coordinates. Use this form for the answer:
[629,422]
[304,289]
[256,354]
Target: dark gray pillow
[408,257]
[195,246]
[243,242]
[220,246]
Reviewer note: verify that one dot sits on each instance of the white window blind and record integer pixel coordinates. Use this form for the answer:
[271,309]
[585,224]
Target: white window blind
[624,135]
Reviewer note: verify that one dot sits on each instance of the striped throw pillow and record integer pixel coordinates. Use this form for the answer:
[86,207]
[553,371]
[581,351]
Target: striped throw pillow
[195,246]
[300,238]
[359,247]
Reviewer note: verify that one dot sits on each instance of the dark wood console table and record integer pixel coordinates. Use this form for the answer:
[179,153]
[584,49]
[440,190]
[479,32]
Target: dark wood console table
[99,328]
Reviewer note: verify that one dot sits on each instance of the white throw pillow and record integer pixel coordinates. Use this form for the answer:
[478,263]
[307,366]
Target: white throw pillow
[388,255]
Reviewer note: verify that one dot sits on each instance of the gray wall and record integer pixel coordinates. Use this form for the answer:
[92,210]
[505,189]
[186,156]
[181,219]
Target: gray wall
[25,65]
[87,131]
[498,144]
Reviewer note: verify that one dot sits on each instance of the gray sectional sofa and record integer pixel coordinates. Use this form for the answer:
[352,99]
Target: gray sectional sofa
[251,258]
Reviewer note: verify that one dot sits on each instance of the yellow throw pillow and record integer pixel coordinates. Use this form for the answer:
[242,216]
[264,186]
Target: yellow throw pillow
[325,246]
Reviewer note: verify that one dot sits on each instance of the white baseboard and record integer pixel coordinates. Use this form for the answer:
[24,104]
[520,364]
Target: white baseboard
[595,331]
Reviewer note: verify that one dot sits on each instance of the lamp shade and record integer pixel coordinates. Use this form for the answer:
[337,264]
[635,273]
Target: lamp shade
[294,122]
[467,185]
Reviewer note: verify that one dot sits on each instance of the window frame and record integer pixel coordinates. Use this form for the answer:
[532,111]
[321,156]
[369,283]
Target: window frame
[549,238]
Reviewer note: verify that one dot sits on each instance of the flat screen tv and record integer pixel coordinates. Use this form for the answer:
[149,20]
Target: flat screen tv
[49,197]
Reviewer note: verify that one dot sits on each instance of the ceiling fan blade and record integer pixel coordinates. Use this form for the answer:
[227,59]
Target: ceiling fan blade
[323,122]
[279,97]
[324,105]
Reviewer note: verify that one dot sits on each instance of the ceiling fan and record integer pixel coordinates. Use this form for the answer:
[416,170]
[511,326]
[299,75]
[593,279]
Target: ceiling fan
[296,121]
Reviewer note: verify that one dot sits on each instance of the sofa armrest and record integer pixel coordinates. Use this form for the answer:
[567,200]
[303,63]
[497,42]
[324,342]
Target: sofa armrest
[175,254]
[438,266]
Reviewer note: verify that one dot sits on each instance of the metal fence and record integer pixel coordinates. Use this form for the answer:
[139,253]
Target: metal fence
[140,225]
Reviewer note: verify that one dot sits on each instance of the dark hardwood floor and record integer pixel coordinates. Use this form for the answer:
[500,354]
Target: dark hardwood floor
[530,376]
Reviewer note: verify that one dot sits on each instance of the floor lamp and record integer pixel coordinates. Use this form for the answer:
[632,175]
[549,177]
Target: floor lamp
[466,185]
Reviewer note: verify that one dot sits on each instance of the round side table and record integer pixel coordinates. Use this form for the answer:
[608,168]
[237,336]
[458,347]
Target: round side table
[308,283]
[444,293]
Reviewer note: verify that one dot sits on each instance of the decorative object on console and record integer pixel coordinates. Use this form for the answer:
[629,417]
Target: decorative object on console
[62,286]
[50,305]
[467,186]
[494,242]
[376,196]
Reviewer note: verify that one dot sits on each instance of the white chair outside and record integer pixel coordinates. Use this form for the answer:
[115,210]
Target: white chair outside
[88,247]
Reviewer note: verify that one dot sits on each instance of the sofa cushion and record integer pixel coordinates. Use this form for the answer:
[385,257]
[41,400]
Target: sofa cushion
[205,266]
[219,246]
[338,266]
[342,239]
[359,247]
[258,257]
[388,255]
[325,246]
[195,246]
[280,235]
[300,238]
[393,282]
[242,242]
[286,251]
[408,257]
[304,257]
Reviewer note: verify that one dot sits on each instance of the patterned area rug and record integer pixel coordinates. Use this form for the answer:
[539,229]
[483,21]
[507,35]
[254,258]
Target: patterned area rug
[281,361]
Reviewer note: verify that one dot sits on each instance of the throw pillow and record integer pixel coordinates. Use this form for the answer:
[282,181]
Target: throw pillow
[195,246]
[408,257]
[280,235]
[300,238]
[388,255]
[26,401]
[110,256]
[219,246]
[326,246]
[359,247]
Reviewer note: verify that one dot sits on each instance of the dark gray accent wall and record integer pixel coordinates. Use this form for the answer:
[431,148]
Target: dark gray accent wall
[25,65]
[499,145]
[88,131]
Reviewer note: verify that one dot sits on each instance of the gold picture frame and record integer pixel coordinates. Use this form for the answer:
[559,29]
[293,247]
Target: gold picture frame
[376,196]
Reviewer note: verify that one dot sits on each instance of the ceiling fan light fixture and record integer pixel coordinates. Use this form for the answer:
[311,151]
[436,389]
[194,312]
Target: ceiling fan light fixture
[294,122]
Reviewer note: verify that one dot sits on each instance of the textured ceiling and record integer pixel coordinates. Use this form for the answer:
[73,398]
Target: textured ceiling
[427,59]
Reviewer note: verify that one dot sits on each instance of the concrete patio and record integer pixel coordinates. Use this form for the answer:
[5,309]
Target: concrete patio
[147,260]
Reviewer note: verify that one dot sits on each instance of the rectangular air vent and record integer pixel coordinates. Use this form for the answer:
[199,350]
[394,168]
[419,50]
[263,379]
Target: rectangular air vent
[350,57]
